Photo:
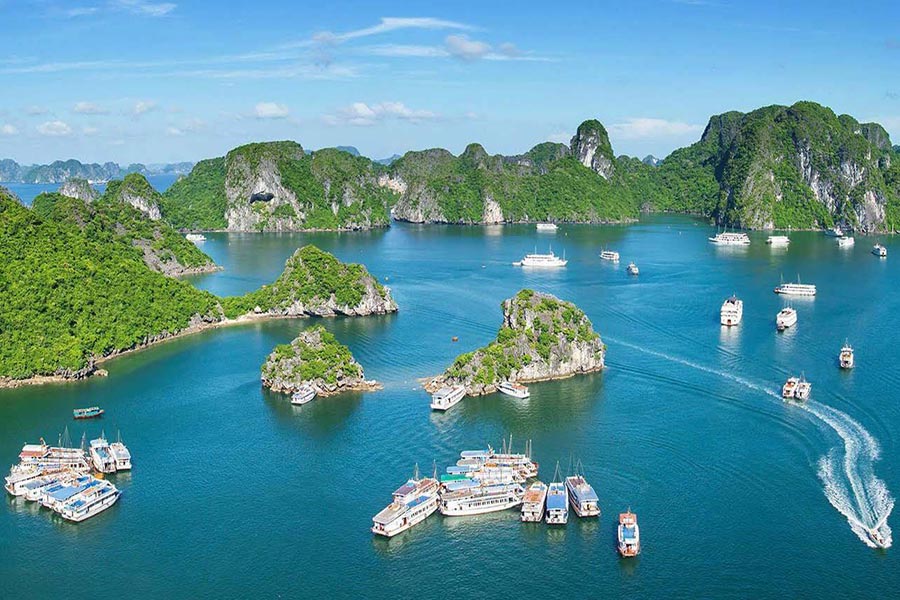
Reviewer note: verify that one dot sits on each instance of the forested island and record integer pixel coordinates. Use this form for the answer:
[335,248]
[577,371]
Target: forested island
[541,338]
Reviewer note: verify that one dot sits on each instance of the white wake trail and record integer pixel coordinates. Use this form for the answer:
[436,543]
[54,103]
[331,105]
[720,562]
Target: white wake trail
[854,490]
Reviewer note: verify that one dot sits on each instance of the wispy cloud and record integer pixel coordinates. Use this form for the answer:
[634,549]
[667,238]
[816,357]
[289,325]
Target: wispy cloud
[271,110]
[8,129]
[80,11]
[89,130]
[386,24]
[54,129]
[142,107]
[645,127]
[144,8]
[460,46]
[89,108]
[362,114]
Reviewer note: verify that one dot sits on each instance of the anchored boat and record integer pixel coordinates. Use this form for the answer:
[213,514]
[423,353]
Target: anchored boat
[633,269]
[88,413]
[787,317]
[534,503]
[582,496]
[516,390]
[447,397]
[546,227]
[732,311]
[730,239]
[796,289]
[629,535]
[103,460]
[305,393]
[778,240]
[879,251]
[412,503]
[557,501]
[482,499]
[541,260]
[846,358]
[609,255]
[96,498]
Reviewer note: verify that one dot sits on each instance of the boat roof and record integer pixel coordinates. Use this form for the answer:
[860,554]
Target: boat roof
[32,450]
[556,501]
[628,533]
[475,453]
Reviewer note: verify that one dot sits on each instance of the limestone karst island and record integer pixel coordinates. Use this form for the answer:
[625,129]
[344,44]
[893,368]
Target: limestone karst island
[343,300]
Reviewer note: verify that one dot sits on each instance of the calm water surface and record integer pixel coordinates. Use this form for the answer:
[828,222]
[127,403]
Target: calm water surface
[28,191]
[236,493]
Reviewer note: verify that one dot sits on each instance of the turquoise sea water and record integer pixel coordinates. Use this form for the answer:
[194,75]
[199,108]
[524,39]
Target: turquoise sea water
[235,493]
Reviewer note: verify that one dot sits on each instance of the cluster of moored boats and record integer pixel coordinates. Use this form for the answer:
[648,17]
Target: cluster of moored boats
[485,481]
[449,396]
[733,238]
[69,480]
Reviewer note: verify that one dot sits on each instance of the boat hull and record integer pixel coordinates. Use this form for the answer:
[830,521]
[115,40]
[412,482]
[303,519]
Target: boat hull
[408,522]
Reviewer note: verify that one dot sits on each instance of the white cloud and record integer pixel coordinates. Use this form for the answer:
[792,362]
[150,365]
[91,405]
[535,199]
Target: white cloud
[645,127]
[404,50]
[461,46]
[54,129]
[80,11]
[174,132]
[362,114]
[386,25]
[88,130]
[143,106]
[271,110]
[89,108]
[144,8]
[8,129]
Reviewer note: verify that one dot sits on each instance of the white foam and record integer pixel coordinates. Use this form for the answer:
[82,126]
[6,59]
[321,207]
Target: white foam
[855,492]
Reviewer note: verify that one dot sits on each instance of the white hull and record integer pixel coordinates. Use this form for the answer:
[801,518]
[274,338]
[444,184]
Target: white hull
[514,392]
[90,510]
[405,522]
[447,398]
[785,320]
[471,508]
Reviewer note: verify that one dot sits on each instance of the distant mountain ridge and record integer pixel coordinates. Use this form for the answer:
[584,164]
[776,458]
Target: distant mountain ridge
[61,171]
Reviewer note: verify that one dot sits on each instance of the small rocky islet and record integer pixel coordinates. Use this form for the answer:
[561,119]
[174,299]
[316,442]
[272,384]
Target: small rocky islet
[317,359]
[541,338]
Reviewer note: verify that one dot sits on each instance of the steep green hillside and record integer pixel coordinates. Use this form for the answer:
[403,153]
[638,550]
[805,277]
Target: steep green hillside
[197,201]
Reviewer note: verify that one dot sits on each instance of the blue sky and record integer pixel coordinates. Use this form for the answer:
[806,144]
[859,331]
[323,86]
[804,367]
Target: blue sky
[154,81]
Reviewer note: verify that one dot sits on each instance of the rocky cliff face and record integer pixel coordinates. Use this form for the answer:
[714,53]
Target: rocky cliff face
[276,186]
[316,284]
[80,189]
[136,191]
[590,145]
[315,358]
[541,338]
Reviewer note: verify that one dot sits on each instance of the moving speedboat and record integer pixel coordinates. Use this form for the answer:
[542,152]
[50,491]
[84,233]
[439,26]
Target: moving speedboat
[803,389]
[447,397]
[789,387]
[629,535]
[633,269]
[732,311]
[879,251]
[786,317]
[516,390]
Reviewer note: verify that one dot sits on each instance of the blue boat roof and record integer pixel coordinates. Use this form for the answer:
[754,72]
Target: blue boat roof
[461,485]
[628,533]
[455,470]
[417,501]
[556,502]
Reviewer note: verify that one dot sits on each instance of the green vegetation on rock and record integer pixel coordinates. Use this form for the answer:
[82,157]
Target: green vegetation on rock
[197,201]
[315,357]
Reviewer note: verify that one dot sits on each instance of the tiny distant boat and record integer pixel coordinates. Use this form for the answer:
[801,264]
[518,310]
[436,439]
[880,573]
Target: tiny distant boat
[732,311]
[834,232]
[633,269]
[730,239]
[305,393]
[447,397]
[845,242]
[778,240]
[610,255]
[629,535]
[546,227]
[875,536]
[582,496]
[879,251]
[412,503]
[88,413]
[195,237]
[786,317]
[846,356]
[541,261]
[796,289]
[516,390]
[534,503]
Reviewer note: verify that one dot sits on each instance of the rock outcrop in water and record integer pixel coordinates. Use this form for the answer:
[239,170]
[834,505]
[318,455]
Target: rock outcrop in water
[80,189]
[541,338]
[316,284]
[316,358]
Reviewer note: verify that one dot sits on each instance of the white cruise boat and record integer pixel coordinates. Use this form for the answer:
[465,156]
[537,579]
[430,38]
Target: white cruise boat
[845,358]
[120,454]
[447,397]
[732,311]
[610,255]
[633,269]
[480,500]
[412,503]
[628,535]
[55,498]
[557,503]
[796,289]
[101,456]
[582,497]
[846,242]
[730,239]
[542,261]
[834,232]
[516,390]
[546,227]
[786,317]
[305,393]
[534,502]
[92,501]
[35,488]
[19,477]
[803,389]
[195,237]
[522,464]
[778,240]
[879,251]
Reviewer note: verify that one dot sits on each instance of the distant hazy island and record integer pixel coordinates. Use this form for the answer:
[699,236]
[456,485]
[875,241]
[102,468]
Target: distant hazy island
[541,338]
[61,171]
[84,281]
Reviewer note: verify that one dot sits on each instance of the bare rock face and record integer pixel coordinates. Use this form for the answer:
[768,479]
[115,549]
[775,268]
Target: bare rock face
[541,338]
[255,194]
[136,191]
[590,145]
[80,189]
[314,358]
